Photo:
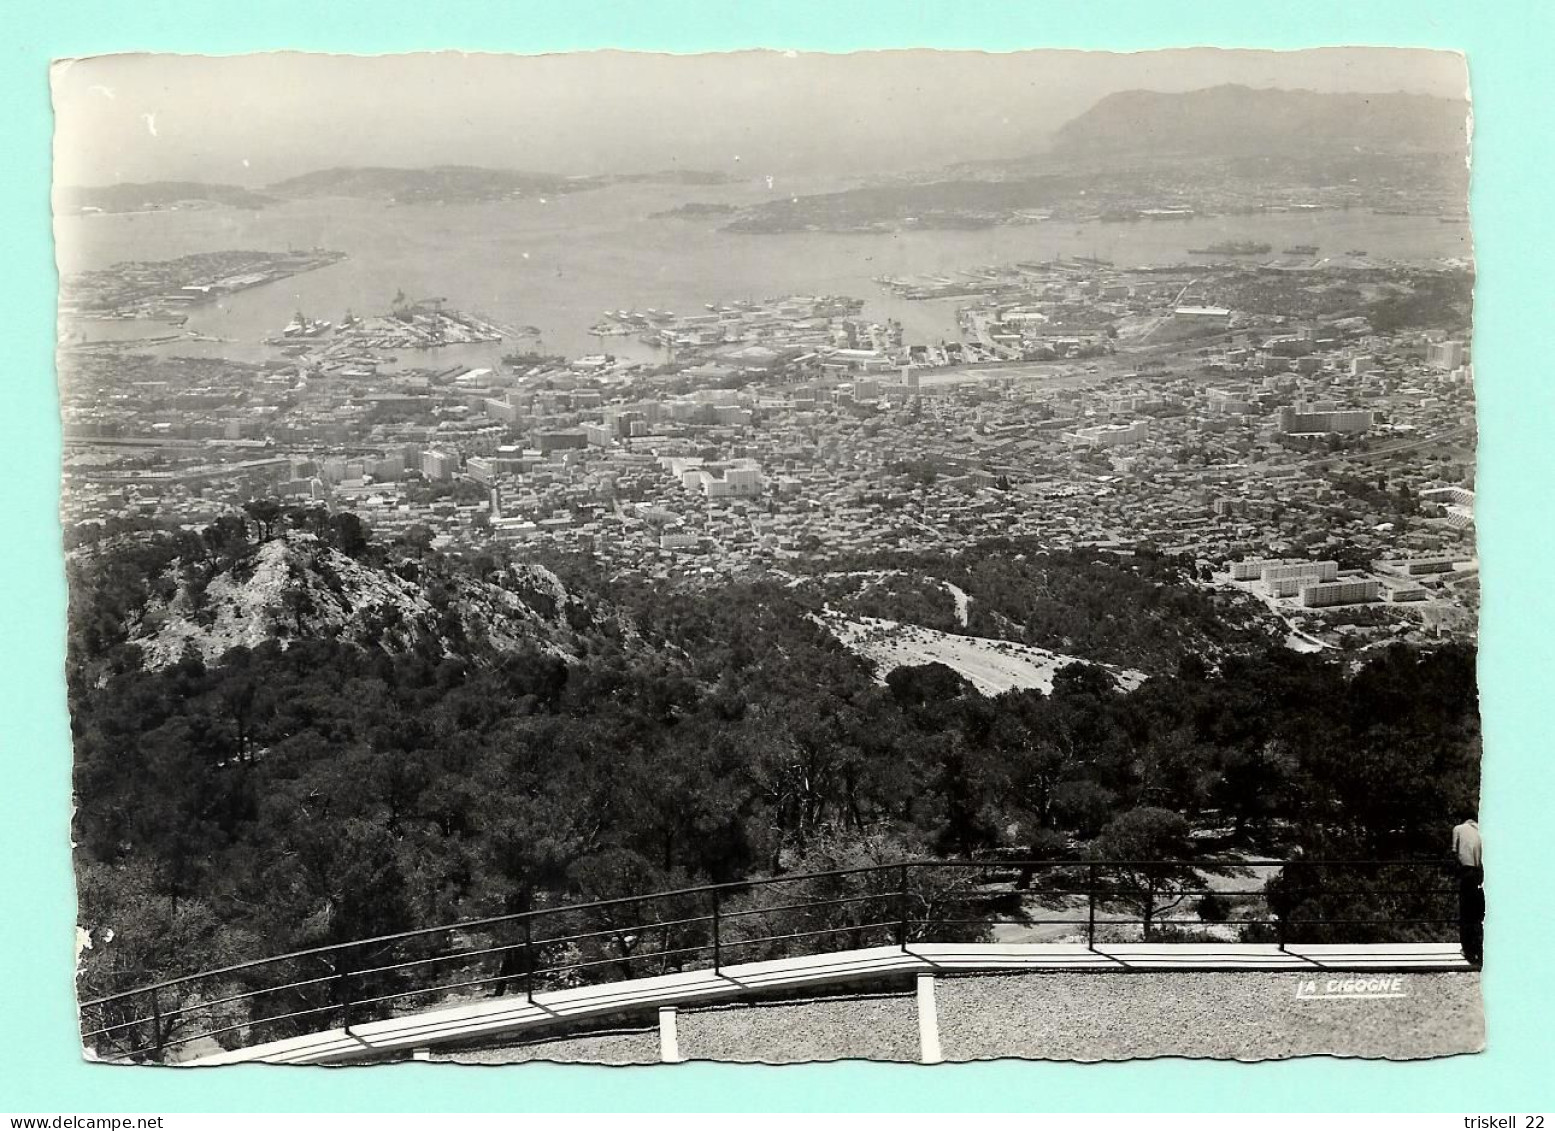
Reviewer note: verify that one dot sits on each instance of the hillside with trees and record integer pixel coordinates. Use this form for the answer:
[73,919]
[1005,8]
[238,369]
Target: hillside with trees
[317,787]
[1139,610]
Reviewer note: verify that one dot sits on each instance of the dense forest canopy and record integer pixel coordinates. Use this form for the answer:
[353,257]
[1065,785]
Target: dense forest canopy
[321,789]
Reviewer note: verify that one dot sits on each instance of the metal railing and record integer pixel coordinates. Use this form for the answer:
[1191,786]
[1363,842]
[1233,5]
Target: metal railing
[707,927]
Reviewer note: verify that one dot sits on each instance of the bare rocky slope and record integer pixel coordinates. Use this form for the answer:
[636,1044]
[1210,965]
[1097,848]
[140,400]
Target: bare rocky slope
[294,586]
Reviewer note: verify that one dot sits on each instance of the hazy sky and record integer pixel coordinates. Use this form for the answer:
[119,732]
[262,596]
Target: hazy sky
[260,118]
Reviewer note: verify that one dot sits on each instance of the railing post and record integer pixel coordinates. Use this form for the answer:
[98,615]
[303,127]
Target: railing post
[905,909]
[158,1036]
[1280,922]
[342,988]
[717,932]
[529,960]
[1090,910]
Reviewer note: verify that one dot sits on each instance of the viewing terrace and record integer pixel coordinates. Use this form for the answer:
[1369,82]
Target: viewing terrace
[552,969]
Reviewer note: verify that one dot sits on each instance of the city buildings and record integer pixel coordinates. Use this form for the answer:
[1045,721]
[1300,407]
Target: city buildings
[1217,316]
[439,465]
[1111,435]
[1445,355]
[1260,447]
[1294,421]
[1348,592]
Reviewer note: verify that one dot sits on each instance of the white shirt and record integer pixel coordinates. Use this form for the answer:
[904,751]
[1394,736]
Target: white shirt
[1467,845]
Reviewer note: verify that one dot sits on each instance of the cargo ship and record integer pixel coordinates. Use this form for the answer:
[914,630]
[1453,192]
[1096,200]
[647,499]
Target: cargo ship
[1302,249]
[1233,247]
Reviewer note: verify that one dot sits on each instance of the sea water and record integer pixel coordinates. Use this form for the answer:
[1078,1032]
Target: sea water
[559,263]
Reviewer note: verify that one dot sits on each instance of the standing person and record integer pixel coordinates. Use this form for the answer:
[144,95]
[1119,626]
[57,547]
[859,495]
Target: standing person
[1468,849]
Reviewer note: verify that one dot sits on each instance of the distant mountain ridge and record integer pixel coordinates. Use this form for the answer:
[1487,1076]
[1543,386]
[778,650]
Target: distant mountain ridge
[467,182]
[1255,144]
[430,185]
[1236,121]
[1219,149]
[135,197]
[437,182]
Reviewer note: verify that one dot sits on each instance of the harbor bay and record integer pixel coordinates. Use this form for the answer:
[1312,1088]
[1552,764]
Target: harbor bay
[555,265]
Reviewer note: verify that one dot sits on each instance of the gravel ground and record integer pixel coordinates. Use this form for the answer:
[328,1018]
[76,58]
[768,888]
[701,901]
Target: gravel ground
[1245,1016]
[873,1028]
[1051,1016]
[616,1047]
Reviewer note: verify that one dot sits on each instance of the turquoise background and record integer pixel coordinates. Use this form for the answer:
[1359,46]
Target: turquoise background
[1508,45]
